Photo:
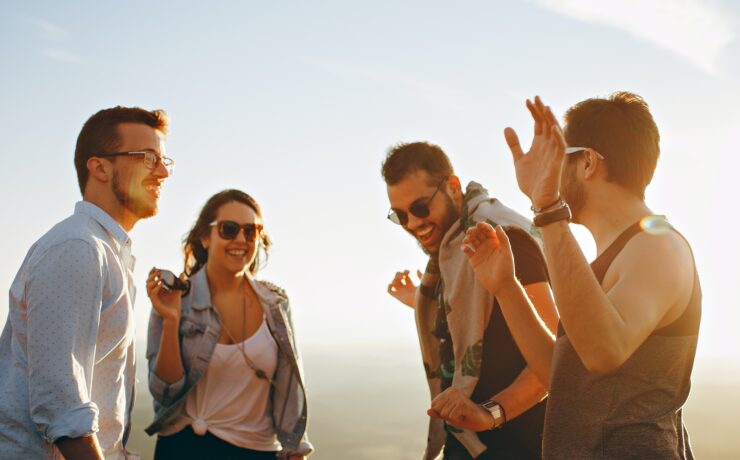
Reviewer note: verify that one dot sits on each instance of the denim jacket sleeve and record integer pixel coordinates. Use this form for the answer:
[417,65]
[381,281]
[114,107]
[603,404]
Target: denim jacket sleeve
[164,393]
[304,447]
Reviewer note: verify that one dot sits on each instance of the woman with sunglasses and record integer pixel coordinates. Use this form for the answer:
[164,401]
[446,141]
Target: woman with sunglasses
[224,369]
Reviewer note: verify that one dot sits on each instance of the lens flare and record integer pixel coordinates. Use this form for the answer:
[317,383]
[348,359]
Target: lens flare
[655,225]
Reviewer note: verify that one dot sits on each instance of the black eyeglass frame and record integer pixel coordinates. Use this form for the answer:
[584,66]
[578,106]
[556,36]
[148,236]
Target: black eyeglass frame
[416,209]
[251,231]
[151,159]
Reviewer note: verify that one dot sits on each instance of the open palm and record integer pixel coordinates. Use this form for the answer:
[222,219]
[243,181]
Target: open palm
[538,171]
[489,254]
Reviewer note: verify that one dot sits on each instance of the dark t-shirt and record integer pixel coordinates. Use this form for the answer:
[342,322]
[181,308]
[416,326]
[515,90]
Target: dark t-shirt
[502,362]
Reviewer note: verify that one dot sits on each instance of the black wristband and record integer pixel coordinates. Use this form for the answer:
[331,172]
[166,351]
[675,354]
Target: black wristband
[549,217]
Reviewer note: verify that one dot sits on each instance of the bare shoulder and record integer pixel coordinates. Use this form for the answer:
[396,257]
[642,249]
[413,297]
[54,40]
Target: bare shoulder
[657,265]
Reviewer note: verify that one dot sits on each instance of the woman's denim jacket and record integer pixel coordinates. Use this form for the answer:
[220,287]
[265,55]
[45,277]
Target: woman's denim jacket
[200,328]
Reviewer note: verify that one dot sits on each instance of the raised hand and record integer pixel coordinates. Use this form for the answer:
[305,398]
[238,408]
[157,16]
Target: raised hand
[457,409]
[538,171]
[165,302]
[489,253]
[403,288]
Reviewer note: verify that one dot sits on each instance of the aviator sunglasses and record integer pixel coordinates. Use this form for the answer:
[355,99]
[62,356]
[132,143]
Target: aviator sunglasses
[417,209]
[228,229]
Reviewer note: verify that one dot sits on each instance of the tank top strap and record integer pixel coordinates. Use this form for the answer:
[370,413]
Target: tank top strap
[604,261]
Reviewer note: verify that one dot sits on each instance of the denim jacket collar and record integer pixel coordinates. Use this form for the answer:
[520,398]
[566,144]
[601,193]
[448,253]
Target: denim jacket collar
[202,293]
[200,290]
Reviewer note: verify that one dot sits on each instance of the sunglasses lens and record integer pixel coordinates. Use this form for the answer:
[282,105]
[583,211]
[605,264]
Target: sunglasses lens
[398,217]
[228,230]
[419,210]
[249,231]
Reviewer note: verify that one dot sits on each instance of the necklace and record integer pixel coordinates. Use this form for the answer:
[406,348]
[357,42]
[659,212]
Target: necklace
[240,345]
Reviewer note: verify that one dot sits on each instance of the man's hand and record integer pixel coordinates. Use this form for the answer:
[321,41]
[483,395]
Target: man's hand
[297,457]
[489,253]
[457,409]
[403,288]
[165,302]
[538,171]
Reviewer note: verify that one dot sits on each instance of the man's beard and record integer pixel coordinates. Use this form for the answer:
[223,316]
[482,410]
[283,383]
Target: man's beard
[450,216]
[573,192]
[140,208]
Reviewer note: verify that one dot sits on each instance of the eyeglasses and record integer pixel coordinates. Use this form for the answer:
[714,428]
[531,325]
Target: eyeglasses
[416,209]
[572,150]
[228,229]
[151,159]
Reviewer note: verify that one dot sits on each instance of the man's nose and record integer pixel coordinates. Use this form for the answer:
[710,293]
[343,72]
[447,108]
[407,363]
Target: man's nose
[161,170]
[414,222]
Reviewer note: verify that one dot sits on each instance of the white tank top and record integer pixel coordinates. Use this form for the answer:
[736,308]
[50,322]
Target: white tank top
[230,400]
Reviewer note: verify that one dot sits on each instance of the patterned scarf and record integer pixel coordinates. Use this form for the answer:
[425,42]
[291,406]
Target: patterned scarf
[453,310]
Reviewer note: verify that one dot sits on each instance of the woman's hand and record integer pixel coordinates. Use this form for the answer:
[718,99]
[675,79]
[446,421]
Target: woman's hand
[165,302]
[403,288]
[297,457]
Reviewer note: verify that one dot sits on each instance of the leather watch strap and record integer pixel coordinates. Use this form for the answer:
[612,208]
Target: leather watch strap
[549,217]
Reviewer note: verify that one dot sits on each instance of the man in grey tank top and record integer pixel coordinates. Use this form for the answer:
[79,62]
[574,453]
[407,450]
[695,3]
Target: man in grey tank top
[619,369]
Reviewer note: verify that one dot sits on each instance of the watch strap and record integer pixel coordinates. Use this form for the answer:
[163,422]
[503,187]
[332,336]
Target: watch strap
[549,217]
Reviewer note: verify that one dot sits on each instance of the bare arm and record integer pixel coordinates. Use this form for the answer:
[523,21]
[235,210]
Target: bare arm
[84,448]
[605,328]
[525,391]
[649,281]
[166,303]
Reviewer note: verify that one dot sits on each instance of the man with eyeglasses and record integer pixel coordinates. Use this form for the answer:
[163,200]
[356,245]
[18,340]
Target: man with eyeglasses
[67,351]
[469,355]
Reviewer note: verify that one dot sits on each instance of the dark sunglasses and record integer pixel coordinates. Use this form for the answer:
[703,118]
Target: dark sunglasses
[228,229]
[417,209]
[172,283]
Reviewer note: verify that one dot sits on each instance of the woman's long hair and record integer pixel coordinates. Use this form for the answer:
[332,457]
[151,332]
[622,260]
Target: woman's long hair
[196,255]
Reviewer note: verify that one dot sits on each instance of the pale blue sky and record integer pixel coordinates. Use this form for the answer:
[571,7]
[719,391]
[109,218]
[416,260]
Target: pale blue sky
[296,103]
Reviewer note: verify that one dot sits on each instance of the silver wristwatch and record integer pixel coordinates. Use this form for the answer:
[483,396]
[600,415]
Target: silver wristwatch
[497,412]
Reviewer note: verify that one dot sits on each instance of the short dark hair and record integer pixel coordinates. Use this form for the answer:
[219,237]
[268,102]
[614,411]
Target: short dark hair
[99,134]
[196,255]
[403,159]
[622,129]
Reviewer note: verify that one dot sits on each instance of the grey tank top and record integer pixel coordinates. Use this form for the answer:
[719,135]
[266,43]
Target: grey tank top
[633,412]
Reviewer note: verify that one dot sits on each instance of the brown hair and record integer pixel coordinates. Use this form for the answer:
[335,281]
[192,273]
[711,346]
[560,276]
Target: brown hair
[403,159]
[99,134]
[622,129]
[196,255]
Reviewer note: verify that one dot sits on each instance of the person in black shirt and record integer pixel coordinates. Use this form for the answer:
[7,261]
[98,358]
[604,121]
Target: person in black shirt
[427,200]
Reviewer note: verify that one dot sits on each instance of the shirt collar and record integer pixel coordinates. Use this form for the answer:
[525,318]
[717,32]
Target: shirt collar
[113,228]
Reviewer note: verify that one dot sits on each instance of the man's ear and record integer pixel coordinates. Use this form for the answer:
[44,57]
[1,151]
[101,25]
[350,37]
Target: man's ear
[590,164]
[99,169]
[454,186]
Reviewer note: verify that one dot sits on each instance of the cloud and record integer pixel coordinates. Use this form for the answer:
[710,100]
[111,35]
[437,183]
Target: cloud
[696,30]
[61,55]
[54,36]
[51,32]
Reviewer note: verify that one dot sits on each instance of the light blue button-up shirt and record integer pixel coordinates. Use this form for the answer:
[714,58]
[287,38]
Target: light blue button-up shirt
[67,350]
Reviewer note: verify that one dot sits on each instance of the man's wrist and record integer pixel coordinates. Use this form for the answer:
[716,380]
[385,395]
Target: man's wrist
[545,202]
[508,290]
[171,320]
[498,414]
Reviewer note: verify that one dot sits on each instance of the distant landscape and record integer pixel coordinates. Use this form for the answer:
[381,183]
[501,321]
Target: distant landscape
[367,407]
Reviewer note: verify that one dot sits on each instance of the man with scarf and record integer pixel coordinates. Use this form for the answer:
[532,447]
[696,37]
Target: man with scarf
[470,358]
